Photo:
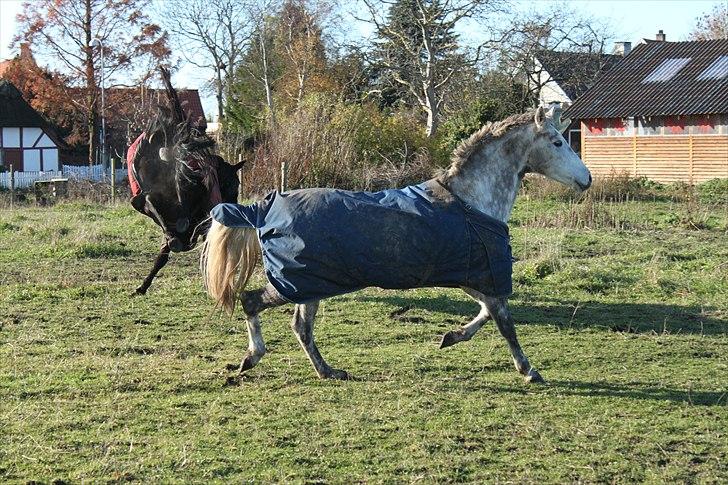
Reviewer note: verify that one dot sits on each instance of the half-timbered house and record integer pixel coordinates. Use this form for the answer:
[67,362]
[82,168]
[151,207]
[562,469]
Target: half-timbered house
[27,141]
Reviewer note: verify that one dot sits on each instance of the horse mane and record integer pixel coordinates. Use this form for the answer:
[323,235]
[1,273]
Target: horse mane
[174,125]
[489,132]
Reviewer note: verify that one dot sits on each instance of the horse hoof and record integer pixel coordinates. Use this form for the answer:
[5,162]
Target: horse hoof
[450,338]
[248,362]
[337,374]
[175,245]
[533,377]
[139,292]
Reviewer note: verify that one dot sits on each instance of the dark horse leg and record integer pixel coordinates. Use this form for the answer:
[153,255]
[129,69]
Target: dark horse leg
[302,324]
[159,263]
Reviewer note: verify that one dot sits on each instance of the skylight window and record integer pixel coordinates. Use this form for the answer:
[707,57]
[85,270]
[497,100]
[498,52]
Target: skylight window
[667,70]
[717,70]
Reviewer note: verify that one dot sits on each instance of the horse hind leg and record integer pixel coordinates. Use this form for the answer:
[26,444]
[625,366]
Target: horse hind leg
[466,332]
[302,325]
[254,302]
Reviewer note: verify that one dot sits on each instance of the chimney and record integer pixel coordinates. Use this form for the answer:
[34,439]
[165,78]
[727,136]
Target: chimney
[660,37]
[25,52]
[622,48]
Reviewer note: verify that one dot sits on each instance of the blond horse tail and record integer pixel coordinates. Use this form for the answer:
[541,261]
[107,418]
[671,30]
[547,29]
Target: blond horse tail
[228,259]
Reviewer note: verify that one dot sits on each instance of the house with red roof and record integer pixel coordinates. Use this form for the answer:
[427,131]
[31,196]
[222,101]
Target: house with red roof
[660,113]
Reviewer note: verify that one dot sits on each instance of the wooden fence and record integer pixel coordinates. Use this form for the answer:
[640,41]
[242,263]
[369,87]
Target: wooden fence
[674,158]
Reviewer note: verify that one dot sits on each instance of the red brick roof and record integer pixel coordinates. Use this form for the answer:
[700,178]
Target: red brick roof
[4,66]
[192,106]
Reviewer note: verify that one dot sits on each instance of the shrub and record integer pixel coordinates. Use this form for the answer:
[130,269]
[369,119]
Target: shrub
[714,191]
[326,143]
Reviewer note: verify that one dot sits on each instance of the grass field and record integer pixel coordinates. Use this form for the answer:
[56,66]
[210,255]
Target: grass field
[623,308]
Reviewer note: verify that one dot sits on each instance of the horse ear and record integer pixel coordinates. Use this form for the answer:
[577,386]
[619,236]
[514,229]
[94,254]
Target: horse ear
[555,115]
[564,125]
[540,117]
[238,166]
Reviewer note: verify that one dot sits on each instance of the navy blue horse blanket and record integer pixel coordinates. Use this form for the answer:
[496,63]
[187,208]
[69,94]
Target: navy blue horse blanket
[318,243]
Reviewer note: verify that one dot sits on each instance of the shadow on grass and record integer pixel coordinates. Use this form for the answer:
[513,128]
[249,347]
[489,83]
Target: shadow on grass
[617,317]
[639,391]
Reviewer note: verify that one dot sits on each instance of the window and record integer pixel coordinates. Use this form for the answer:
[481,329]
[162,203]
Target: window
[717,70]
[667,70]
[11,137]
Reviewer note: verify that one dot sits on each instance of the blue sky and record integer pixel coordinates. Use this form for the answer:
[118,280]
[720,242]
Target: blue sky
[630,21]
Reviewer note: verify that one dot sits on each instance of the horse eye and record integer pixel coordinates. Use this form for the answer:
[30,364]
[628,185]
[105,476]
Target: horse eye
[558,143]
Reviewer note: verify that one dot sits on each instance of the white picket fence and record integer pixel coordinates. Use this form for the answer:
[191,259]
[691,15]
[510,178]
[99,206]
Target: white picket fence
[71,172]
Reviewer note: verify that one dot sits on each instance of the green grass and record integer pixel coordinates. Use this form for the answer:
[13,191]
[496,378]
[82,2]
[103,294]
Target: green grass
[625,315]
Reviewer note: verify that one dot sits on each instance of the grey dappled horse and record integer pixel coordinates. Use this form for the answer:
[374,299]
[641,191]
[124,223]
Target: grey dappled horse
[484,175]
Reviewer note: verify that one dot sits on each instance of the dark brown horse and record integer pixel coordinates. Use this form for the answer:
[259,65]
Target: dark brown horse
[176,178]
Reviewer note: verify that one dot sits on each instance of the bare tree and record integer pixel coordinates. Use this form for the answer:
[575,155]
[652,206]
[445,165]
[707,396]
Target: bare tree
[713,25]
[537,38]
[421,51]
[211,34]
[259,61]
[64,30]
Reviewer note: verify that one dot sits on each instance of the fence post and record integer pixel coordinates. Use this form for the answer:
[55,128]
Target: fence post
[240,179]
[113,181]
[284,175]
[12,187]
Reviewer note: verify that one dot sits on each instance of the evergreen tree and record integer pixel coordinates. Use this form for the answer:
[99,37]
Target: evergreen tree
[417,52]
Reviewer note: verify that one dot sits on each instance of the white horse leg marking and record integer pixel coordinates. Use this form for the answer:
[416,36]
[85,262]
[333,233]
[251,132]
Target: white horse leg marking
[256,344]
[253,303]
[498,308]
[302,325]
[466,332]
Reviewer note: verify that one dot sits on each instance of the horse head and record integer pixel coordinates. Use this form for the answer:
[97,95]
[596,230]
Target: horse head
[180,179]
[552,156]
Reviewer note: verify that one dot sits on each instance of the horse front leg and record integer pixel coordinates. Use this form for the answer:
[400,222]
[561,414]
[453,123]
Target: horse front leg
[159,263]
[466,332]
[498,308]
[302,324]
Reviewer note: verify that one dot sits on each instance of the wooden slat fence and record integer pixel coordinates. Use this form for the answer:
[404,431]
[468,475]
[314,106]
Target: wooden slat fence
[684,158]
